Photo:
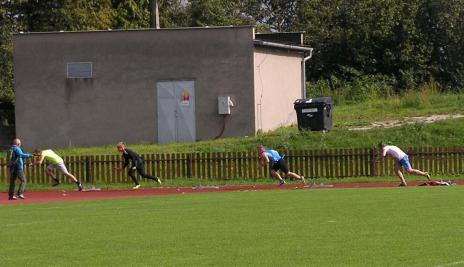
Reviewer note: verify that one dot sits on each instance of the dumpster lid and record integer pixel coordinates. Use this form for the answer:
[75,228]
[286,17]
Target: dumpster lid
[324,100]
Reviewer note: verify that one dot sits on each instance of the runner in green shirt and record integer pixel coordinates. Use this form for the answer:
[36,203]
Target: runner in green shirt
[54,162]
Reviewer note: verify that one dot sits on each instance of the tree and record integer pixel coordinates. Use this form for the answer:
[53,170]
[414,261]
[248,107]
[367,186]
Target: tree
[273,15]
[174,13]
[372,37]
[131,14]
[7,25]
[66,15]
[443,26]
[219,13]
[208,13]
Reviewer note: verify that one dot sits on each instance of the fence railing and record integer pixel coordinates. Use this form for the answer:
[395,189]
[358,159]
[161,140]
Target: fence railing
[336,163]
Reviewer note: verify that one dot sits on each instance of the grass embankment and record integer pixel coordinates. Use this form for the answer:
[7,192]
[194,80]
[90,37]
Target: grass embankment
[347,227]
[443,133]
[396,108]
[438,134]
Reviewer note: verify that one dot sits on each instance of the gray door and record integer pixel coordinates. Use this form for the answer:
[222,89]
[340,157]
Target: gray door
[176,111]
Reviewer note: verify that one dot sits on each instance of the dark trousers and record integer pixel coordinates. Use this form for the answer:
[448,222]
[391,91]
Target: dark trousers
[139,168]
[17,174]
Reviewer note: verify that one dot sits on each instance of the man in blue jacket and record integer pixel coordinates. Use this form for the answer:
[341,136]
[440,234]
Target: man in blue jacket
[17,170]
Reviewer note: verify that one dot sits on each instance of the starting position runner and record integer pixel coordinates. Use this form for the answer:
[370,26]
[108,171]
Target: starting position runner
[401,160]
[277,163]
[54,162]
[137,165]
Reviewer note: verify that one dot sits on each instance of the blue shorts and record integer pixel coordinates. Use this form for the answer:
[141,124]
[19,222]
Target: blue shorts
[404,162]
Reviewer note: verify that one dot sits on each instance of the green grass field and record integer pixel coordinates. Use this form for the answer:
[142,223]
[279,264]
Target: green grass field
[415,226]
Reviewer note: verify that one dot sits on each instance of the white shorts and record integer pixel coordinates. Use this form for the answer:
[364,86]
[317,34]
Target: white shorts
[60,167]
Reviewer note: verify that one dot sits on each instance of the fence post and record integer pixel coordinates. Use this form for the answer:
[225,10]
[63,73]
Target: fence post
[189,165]
[3,168]
[373,162]
[88,177]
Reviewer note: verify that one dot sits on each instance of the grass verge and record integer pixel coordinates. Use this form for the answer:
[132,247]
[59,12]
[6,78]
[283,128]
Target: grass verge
[343,227]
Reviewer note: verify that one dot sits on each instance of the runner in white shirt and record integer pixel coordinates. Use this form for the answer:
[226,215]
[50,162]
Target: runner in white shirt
[401,160]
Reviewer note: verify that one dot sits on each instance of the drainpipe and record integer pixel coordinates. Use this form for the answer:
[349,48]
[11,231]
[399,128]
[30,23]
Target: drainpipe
[303,74]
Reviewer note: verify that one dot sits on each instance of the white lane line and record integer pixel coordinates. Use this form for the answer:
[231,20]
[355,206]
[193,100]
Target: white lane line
[28,223]
[451,264]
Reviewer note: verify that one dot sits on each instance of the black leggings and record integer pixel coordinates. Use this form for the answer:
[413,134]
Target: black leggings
[142,173]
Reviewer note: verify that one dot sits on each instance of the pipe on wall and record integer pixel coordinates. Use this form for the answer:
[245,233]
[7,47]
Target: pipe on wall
[303,74]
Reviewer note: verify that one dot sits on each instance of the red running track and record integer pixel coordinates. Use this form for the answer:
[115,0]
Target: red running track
[63,196]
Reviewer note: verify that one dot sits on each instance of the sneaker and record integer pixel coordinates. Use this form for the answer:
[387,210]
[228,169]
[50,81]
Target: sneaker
[428,176]
[158,180]
[401,184]
[12,198]
[303,179]
[79,185]
[21,196]
[136,187]
[282,182]
[55,182]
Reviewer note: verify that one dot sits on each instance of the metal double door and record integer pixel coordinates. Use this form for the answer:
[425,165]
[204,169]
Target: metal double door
[176,111]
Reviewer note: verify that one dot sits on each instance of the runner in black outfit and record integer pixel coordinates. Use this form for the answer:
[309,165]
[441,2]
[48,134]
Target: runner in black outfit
[137,165]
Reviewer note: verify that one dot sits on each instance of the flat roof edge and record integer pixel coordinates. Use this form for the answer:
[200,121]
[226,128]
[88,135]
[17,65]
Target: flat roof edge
[141,29]
[283,46]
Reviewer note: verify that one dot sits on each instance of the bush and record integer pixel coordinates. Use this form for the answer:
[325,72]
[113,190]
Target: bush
[354,89]
[421,98]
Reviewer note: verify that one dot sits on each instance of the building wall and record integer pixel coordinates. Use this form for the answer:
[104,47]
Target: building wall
[6,137]
[277,86]
[119,102]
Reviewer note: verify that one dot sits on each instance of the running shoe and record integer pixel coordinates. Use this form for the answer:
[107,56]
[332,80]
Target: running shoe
[428,176]
[136,187]
[282,182]
[303,179]
[55,182]
[158,180]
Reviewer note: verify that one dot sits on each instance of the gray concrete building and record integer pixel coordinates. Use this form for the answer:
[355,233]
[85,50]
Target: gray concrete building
[154,85]
[6,137]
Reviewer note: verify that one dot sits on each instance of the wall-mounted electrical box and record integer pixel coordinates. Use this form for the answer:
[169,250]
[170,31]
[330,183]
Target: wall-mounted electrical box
[224,104]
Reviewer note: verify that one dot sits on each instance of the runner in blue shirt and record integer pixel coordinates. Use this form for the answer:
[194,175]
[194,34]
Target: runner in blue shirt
[277,163]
